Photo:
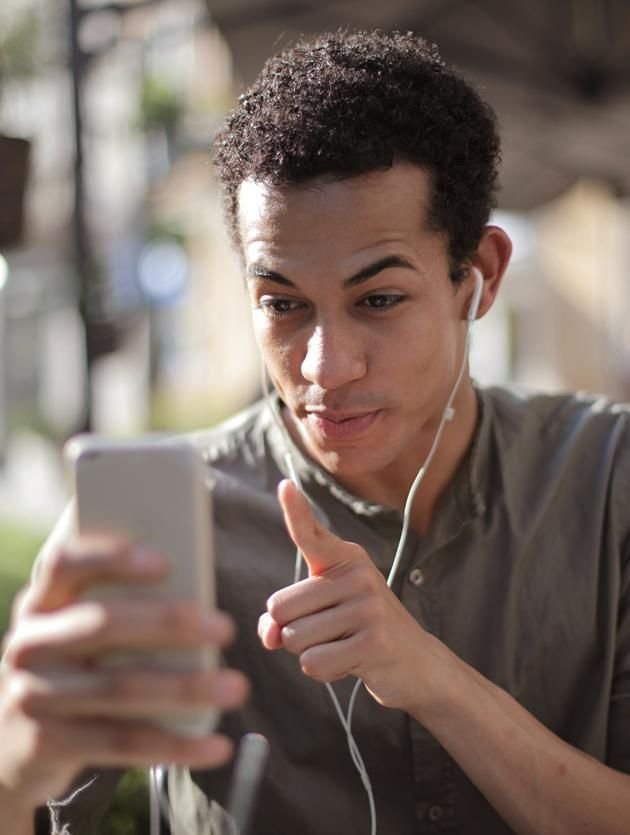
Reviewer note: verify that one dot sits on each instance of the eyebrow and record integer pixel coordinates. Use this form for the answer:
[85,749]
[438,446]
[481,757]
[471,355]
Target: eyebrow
[259,271]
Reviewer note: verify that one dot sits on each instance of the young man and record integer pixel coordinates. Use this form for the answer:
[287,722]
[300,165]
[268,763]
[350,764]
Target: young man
[359,173]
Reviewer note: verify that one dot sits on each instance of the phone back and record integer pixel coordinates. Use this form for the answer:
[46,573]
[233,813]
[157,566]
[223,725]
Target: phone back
[151,492]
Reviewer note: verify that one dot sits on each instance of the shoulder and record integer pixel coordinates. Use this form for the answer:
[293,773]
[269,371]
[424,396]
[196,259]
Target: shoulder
[566,451]
[241,436]
[519,415]
[241,451]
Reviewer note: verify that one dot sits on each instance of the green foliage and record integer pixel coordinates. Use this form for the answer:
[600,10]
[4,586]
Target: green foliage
[19,545]
[171,413]
[159,231]
[160,106]
[128,813]
[18,46]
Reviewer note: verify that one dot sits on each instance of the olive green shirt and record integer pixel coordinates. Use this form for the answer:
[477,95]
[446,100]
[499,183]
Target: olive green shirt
[524,574]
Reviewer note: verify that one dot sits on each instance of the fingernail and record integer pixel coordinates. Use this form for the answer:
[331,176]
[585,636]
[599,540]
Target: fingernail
[262,621]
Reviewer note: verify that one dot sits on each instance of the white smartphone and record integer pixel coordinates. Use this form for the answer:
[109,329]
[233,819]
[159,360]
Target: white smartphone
[152,491]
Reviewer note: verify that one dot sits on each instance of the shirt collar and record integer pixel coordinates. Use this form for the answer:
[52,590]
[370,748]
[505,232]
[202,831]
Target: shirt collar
[463,500]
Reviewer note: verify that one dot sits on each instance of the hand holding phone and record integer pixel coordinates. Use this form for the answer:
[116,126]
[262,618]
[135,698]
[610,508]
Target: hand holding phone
[151,492]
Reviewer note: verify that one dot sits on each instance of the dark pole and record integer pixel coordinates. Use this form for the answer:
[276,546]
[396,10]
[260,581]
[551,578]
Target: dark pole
[81,245]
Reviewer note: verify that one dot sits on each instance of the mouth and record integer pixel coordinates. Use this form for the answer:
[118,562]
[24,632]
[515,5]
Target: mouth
[340,425]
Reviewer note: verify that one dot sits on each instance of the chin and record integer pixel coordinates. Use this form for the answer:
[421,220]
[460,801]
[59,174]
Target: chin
[349,463]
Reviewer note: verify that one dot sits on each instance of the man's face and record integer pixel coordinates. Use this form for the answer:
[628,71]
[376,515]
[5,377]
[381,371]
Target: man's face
[358,322]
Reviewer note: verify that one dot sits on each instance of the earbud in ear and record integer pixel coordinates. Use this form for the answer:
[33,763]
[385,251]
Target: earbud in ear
[476,296]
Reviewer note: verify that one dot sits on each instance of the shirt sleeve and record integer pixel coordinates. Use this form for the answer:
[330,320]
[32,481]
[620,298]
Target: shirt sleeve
[619,714]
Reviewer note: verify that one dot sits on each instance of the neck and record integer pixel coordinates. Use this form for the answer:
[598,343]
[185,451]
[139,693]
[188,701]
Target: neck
[455,443]
[391,488]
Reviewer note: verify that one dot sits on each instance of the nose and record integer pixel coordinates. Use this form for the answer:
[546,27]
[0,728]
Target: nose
[333,358]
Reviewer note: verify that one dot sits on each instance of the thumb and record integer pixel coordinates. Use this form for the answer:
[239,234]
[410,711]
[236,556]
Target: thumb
[321,549]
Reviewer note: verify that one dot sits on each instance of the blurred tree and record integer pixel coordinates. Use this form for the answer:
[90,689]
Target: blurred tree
[19,45]
[18,60]
[19,545]
[128,813]
[161,106]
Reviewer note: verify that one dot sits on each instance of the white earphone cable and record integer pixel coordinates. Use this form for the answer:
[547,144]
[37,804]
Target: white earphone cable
[447,415]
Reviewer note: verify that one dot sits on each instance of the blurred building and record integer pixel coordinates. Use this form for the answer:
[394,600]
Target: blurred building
[561,320]
[156,83]
[178,350]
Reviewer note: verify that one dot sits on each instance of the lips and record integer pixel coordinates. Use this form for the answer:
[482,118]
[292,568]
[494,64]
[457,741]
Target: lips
[341,426]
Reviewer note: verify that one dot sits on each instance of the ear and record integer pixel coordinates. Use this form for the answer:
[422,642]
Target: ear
[491,260]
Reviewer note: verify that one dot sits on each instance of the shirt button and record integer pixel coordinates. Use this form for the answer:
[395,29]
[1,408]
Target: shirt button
[435,813]
[416,577]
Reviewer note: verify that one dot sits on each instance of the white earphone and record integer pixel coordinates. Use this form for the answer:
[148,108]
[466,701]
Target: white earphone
[476,296]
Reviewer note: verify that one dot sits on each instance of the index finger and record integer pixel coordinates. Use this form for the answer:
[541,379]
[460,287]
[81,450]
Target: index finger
[67,570]
[321,548]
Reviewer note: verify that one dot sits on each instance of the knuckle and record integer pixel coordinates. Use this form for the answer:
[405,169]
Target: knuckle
[355,551]
[366,610]
[56,565]
[376,607]
[18,652]
[364,578]
[377,642]
[18,605]
[291,640]
[21,695]
[100,620]
[275,607]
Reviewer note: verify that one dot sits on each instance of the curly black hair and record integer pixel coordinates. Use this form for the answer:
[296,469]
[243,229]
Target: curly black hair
[348,103]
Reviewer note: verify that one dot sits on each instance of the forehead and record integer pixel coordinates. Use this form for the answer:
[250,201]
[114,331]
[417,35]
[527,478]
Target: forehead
[335,215]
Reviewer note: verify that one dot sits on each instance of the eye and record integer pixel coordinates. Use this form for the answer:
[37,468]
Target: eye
[382,301]
[276,307]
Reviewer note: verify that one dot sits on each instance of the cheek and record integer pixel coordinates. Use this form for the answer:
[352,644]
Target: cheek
[422,345]
[280,355]
[443,360]
[426,365]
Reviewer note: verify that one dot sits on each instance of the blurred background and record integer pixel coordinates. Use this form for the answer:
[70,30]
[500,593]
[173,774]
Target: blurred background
[121,305]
